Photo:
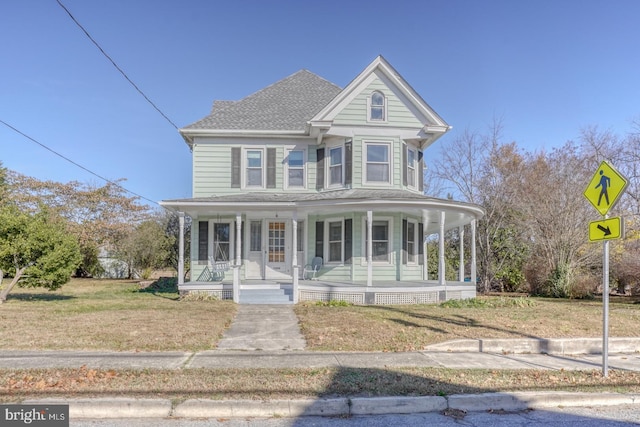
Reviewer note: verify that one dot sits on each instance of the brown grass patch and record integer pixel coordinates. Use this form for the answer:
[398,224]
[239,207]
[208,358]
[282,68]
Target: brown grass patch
[412,327]
[261,384]
[110,315]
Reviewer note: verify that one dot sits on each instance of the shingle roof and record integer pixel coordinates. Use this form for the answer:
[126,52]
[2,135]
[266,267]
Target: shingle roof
[285,105]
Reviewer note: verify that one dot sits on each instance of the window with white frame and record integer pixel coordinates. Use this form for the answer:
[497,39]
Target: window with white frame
[255,168]
[295,169]
[335,241]
[336,166]
[380,241]
[221,241]
[377,107]
[412,239]
[378,165]
[412,159]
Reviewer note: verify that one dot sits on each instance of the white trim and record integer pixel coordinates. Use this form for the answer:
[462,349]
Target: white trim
[244,167]
[416,242]
[304,169]
[385,109]
[327,248]
[327,165]
[365,145]
[364,242]
[416,166]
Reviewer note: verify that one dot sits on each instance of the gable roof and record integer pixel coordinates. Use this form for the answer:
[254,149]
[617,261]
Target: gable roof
[286,105]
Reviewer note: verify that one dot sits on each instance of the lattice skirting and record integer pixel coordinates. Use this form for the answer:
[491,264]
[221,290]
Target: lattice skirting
[391,298]
[220,294]
[353,298]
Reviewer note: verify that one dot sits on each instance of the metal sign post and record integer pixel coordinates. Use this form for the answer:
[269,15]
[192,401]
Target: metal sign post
[603,191]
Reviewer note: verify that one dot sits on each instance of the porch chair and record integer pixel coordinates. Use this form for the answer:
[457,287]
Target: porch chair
[312,269]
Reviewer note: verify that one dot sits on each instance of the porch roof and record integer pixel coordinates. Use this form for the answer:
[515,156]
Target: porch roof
[336,201]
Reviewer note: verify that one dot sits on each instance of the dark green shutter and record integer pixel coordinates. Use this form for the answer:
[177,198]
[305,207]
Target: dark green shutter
[405,153]
[348,240]
[405,237]
[420,172]
[235,167]
[319,168]
[203,240]
[420,243]
[271,168]
[348,161]
[320,239]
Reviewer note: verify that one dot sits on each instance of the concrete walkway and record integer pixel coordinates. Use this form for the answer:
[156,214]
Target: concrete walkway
[263,327]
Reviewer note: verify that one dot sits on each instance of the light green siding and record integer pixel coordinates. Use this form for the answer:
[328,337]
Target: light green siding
[398,115]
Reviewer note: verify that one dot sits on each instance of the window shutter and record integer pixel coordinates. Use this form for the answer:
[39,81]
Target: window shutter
[320,239]
[421,242]
[235,167]
[405,154]
[420,172]
[405,237]
[348,161]
[320,168]
[348,240]
[271,168]
[203,240]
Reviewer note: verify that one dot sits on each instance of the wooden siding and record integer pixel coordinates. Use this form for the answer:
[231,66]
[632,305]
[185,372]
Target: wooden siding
[398,114]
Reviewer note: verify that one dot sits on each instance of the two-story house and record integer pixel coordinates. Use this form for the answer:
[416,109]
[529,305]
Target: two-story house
[303,172]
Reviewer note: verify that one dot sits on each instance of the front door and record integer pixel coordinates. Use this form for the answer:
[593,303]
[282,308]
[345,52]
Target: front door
[276,251]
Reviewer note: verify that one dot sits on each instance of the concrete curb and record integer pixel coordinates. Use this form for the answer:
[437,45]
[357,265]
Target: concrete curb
[556,346]
[203,408]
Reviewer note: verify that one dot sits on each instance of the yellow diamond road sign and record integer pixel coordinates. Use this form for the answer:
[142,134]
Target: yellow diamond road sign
[605,188]
[607,229]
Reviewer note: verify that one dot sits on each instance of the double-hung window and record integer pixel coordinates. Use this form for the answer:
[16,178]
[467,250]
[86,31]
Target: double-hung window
[378,165]
[336,166]
[377,107]
[335,241]
[412,237]
[380,243]
[295,168]
[255,168]
[412,159]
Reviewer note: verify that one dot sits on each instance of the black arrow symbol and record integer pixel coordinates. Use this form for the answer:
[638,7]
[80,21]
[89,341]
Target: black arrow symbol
[606,231]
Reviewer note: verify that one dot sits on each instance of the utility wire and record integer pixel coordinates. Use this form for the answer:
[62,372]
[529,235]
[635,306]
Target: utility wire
[116,65]
[74,163]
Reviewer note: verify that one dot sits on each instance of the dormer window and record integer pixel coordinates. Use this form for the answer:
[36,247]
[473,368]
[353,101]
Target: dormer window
[377,107]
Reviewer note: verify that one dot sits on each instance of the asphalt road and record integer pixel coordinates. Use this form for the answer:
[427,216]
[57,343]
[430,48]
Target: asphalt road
[609,416]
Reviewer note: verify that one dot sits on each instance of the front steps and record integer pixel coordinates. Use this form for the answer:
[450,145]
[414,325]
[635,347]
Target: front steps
[266,294]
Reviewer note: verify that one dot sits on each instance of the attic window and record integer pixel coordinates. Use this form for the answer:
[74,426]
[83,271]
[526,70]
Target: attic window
[377,107]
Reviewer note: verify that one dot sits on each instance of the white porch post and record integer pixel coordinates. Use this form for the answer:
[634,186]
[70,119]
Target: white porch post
[236,267]
[461,267]
[294,255]
[238,240]
[369,248]
[425,258]
[441,264]
[473,279]
[181,249]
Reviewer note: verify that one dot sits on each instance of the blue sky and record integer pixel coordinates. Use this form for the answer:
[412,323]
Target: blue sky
[547,68]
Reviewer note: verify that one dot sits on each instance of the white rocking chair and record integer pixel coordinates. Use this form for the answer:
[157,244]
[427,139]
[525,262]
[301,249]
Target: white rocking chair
[312,269]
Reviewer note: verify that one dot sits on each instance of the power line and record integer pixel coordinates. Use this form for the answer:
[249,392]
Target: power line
[75,163]
[116,65]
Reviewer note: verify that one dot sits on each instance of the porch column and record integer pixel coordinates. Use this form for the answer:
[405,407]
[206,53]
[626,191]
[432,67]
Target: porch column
[461,267]
[441,264]
[369,248]
[238,240]
[425,258]
[236,267]
[473,279]
[294,255]
[181,249]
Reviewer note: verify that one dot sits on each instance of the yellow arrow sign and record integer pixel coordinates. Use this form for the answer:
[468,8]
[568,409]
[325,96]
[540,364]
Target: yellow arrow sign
[605,188]
[607,229]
